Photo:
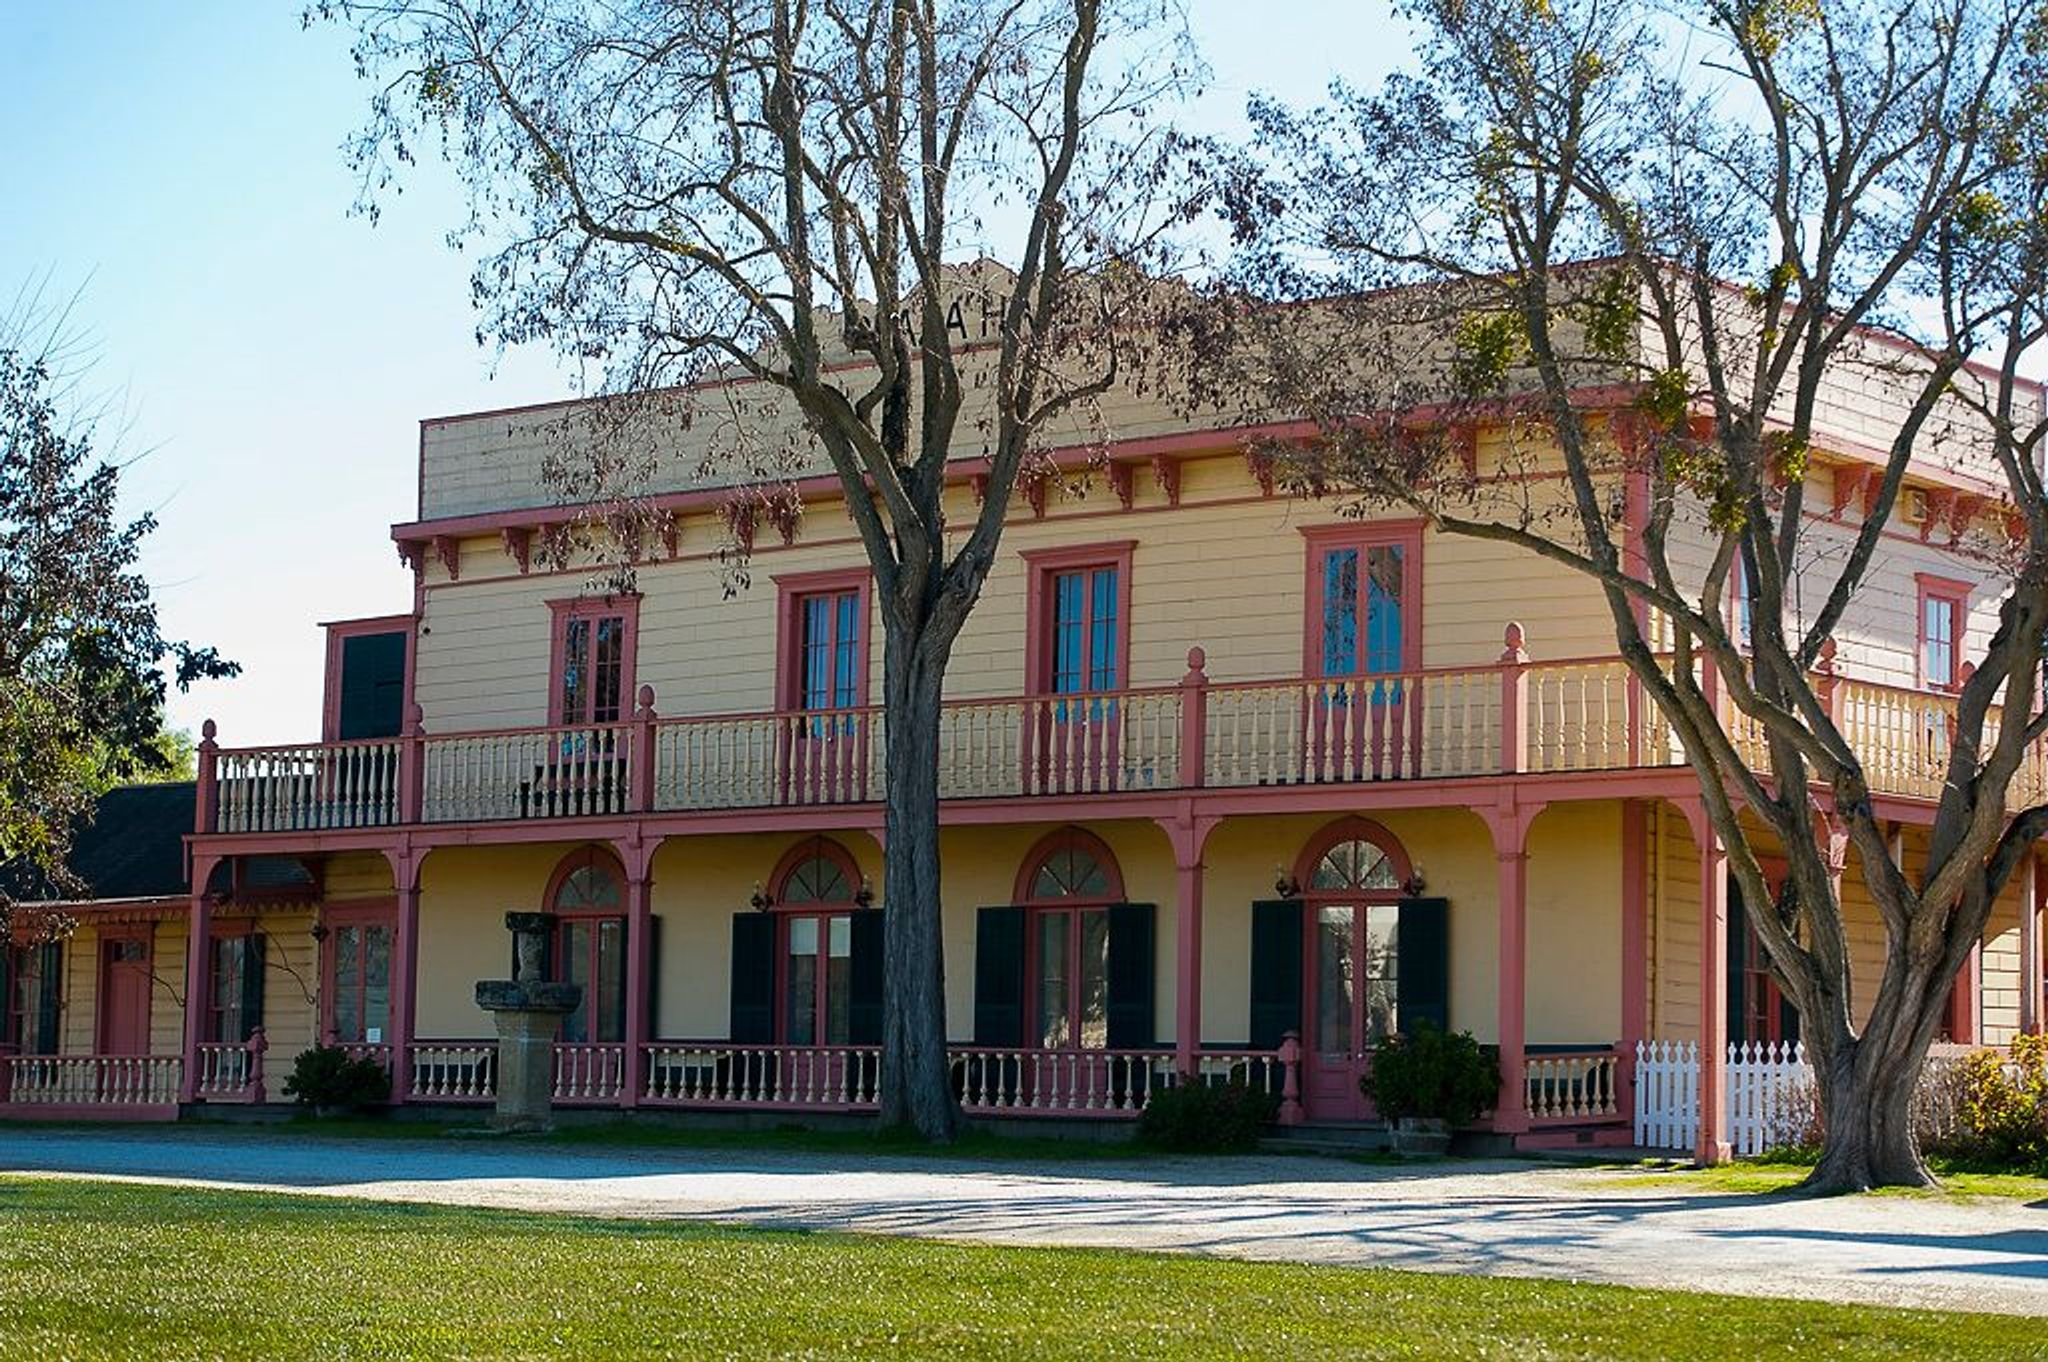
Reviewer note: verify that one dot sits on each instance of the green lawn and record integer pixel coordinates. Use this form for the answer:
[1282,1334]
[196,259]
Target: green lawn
[1758,1176]
[104,1270]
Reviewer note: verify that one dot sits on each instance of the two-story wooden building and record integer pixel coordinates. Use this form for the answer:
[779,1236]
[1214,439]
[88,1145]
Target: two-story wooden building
[1233,784]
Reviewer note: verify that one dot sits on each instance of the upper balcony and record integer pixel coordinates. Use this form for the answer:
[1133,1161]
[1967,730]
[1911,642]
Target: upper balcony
[1514,717]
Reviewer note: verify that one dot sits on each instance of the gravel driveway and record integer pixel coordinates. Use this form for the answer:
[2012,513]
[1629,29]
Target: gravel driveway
[1505,1218]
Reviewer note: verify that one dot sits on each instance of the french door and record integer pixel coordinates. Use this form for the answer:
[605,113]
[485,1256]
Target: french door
[1351,960]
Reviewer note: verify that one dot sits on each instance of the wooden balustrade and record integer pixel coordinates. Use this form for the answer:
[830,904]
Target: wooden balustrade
[231,1072]
[1417,725]
[578,772]
[1574,1085]
[589,1073]
[452,1071]
[715,1073]
[1514,716]
[1062,1082]
[122,1081]
[308,785]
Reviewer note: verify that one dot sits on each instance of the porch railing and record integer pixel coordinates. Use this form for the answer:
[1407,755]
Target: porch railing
[1509,717]
[119,1081]
[1572,1086]
[231,1072]
[720,1074]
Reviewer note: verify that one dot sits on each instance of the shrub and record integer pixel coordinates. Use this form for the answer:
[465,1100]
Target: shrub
[1218,1118]
[2001,1107]
[1432,1074]
[328,1078]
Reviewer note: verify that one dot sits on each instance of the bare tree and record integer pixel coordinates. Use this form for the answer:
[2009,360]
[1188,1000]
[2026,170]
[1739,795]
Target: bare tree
[1723,224]
[779,205]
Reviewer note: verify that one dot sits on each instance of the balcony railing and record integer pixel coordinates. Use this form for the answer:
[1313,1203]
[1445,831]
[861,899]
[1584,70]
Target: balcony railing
[1514,716]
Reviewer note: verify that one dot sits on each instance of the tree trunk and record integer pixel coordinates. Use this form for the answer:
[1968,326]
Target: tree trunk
[917,1084]
[1867,1105]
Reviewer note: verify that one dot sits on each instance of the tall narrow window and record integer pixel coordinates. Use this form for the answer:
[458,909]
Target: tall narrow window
[31,987]
[593,660]
[1944,605]
[1078,601]
[1364,600]
[588,896]
[1068,887]
[359,977]
[235,1010]
[815,892]
[829,654]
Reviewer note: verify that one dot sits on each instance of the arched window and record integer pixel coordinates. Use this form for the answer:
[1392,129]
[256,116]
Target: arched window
[815,890]
[1352,875]
[1066,886]
[587,894]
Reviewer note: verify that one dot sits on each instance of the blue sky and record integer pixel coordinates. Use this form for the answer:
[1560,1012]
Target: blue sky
[181,163]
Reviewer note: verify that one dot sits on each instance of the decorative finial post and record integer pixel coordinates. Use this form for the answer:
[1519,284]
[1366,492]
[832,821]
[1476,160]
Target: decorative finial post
[1194,721]
[1514,700]
[206,795]
[640,785]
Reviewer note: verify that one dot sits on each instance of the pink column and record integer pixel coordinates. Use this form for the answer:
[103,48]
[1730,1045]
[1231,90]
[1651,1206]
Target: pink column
[405,953]
[2031,982]
[1188,834]
[1509,823]
[1968,1023]
[198,974]
[1713,1141]
[639,975]
[1635,948]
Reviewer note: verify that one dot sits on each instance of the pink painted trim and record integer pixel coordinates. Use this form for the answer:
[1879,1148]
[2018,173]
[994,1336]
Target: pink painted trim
[355,913]
[1635,935]
[593,608]
[1060,839]
[595,856]
[1352,829]
[1957,594]
[338,630]
[1362,535]
[794,589]
[810,848]
[1040,567]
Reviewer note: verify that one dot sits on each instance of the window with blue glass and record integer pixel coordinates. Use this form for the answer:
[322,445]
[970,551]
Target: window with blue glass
[829,653]
[1364,609]
[1084,631]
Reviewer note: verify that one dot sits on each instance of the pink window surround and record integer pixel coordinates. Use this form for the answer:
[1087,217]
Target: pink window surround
[1042,567]
[1362,535]
[1069,908]
[1939,597]
[360,914]
[592,610]
[1741,604]
[338,630]
[796,590]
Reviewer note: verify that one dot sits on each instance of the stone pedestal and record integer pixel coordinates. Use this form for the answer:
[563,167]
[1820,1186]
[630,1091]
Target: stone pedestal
[529,1012]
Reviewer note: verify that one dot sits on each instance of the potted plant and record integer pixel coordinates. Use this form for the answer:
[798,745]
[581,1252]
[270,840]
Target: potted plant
[334,1083]
[1428,1082]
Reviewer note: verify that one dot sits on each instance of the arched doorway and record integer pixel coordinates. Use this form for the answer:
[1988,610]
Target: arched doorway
[587,895]
[1067,886]
[814,892]
[1351,875]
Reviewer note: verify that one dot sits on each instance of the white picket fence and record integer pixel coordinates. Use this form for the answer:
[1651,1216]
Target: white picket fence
[1769,1094]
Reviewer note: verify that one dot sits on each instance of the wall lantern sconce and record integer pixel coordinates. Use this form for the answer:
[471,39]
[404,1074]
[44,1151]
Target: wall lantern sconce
[865,895]
[761,900]
[1284,884]
[1415,884]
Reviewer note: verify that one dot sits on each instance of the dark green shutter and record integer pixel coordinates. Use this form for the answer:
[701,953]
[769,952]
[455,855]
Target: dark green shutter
[1733,966]
[999,976]
[372,686]
[753,979]
[653,1017]
[49,994]
[1276,971]
[865,970]
[1422,983]
[252,984]
[1132,974]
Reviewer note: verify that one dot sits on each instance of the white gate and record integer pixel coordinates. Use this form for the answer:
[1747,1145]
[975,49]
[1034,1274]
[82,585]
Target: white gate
[1768,1095]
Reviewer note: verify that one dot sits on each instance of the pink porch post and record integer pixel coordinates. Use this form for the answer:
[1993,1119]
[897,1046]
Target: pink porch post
[2031,982]
[1635,952]
[405,968]
[638,857]
[198,959]
[1509,822]
[1188,835]
[1713,1141]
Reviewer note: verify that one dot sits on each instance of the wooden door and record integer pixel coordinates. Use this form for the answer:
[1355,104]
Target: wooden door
[124,995]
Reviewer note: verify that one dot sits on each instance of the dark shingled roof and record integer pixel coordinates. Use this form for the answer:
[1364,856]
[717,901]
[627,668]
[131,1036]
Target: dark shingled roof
[134,847]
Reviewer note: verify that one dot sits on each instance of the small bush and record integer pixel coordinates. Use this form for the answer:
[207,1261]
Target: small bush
[328,1078]
[1221,1118]
[1432,1074]
[2000,1113]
